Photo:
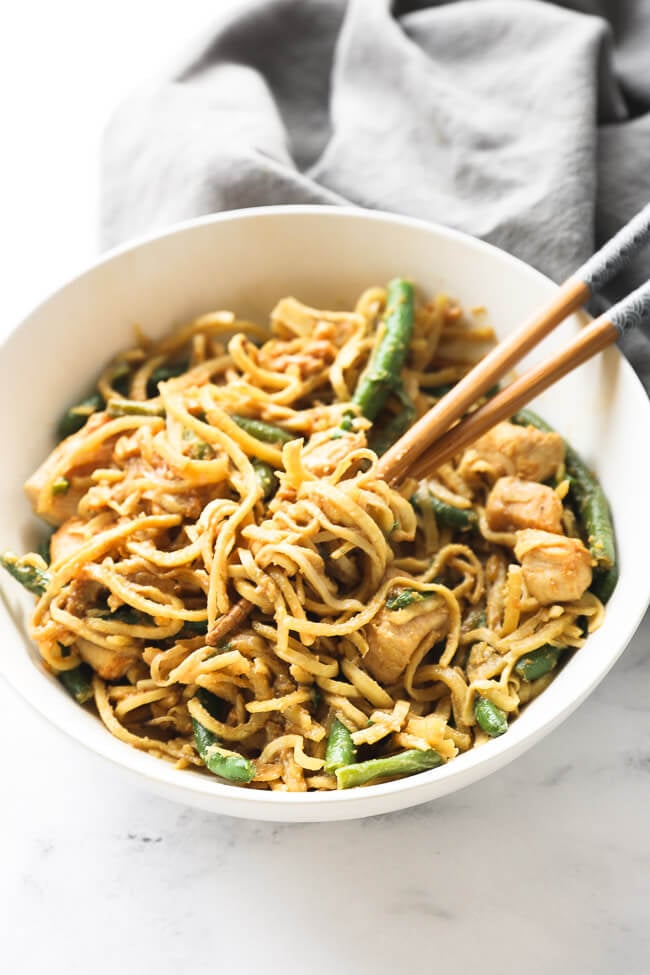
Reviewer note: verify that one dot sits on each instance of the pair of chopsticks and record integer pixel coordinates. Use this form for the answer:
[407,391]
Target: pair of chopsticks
[434,439]
[441,432]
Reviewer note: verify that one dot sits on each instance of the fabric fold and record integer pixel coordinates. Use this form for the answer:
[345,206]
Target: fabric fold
[523,122]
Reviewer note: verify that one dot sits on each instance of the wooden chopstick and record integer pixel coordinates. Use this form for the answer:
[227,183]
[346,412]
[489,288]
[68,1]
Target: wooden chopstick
[595,337]
[401,456]
[588,280]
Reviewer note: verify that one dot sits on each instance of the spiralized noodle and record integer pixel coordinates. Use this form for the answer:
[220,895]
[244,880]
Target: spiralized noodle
[167,530]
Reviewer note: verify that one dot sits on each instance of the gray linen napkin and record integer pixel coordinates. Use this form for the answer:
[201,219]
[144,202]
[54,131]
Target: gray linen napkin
[525,123]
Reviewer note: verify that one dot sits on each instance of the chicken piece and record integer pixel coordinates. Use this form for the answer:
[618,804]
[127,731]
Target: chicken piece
[67,539]
[513,504]
[109,664]
[517,451]
[556,569]
[394,635]
[308,359]
[323,458]
[68,459]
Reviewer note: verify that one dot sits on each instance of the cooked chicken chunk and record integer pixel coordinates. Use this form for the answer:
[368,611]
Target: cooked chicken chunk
[394,635]
[109,664]
[306,360]
[513,504]
[556,569]
[67,539]
[69,459]
[508,449]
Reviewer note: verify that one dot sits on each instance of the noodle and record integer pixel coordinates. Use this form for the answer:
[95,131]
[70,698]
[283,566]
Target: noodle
[228,563]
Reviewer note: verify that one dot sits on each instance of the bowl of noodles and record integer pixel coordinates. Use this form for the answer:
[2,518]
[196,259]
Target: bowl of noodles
[220,593]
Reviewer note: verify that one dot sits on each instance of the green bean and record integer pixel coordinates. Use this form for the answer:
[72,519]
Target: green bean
[593,511]
[74,418]
[215,706]
[266,432]
[226,764]
[538,662]
[132,407]
[404,598]
[32,578]
[604,583]
[78,682]
[130,616]
[448,515]
[589,499]
[476,619]
[199,450]
[43,548]
[163,373]
[438,391]
[397,425]
[383,373]
[491,719]
[199,627]
[341,750]
[60,486]
[404,763]
[266,478]
[121,378]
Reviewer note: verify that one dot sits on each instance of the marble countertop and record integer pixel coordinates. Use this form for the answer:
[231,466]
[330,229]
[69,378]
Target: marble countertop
[544,866]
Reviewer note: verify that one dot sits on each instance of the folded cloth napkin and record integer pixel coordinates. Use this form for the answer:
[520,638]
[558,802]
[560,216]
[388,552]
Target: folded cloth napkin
[522,122]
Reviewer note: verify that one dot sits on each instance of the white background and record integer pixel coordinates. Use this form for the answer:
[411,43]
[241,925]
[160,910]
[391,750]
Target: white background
[543,867]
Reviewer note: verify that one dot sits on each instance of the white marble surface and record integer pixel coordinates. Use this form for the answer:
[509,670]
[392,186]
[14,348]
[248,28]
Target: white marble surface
[543,867]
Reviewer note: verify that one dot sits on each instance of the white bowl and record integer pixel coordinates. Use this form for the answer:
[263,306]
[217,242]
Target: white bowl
[246,261]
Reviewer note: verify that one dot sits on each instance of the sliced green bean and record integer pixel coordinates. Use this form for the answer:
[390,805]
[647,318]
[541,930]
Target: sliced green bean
[78,682]
[266,478]
[130,616]
[491,719]
[133,407]
[261,430]
[593,511]
[199,450]
[397,425]
[341,750]
[461,519]
[404,598]
[405,763]
[74,418]
[604,583]
[60,486]
[226,764]
[199,627]
[215,706]
[163,373]
[32,578]
[44,550]
[438,391]
[537,663]
[383,373]
[476,619]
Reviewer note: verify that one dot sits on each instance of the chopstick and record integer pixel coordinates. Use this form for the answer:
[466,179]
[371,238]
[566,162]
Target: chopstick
[573,293]
[595,337]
